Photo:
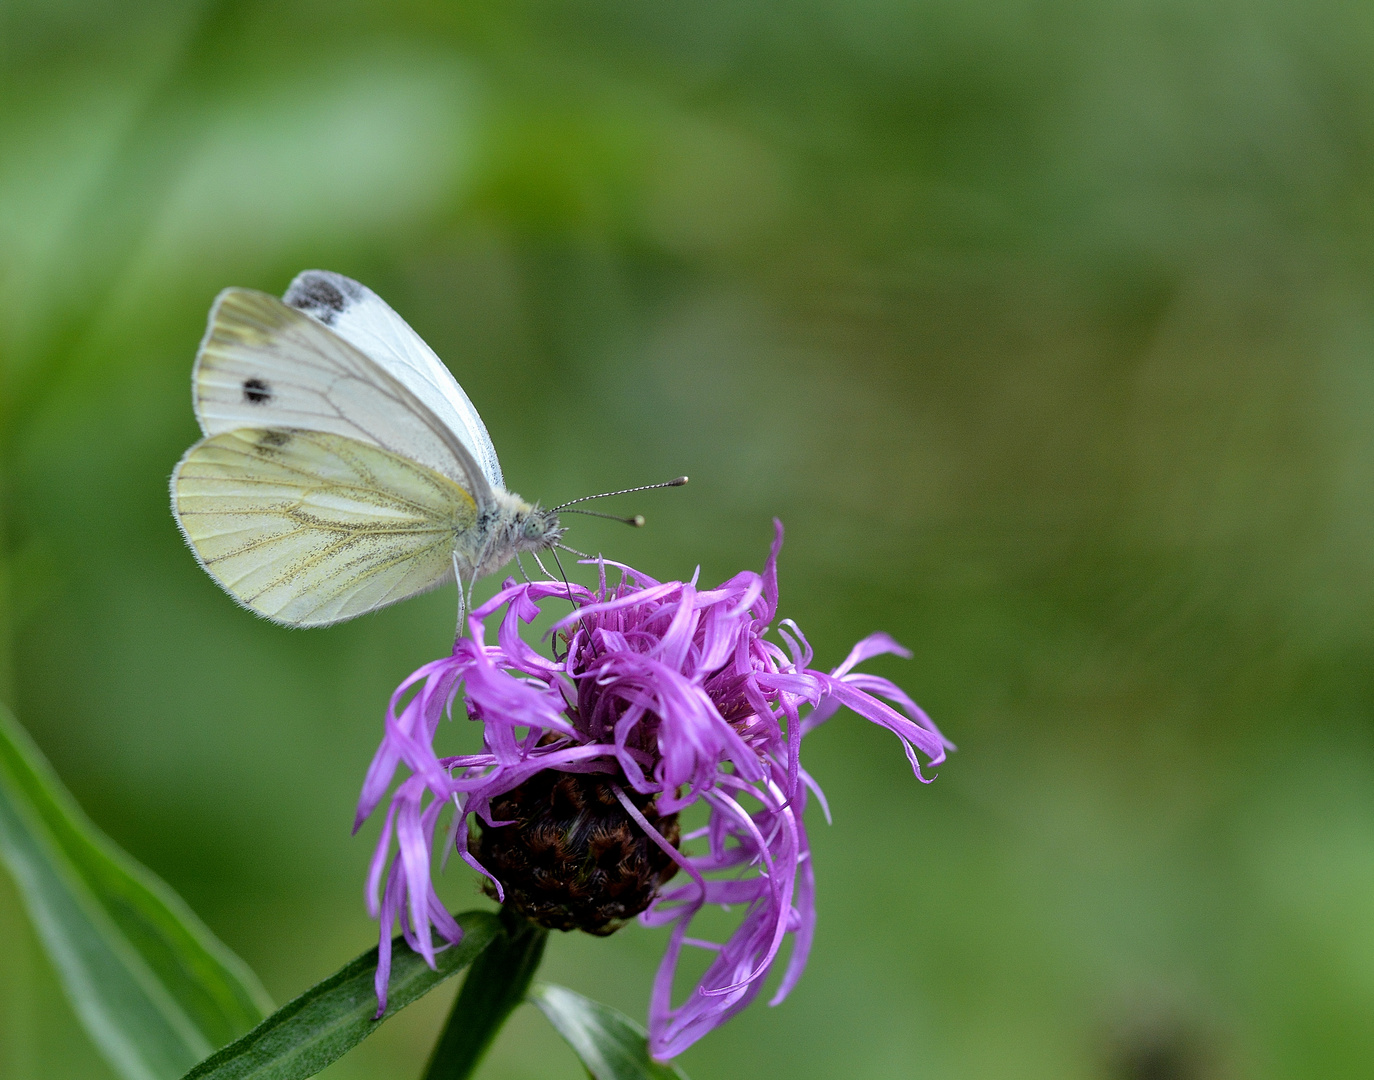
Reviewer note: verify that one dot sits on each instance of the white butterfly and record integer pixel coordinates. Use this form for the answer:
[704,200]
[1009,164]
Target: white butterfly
[343,468]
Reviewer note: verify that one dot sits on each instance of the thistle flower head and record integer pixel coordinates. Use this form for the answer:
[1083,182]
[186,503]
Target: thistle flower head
[658,696]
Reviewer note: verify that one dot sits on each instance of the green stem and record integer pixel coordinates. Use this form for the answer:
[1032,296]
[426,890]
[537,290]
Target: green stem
[495,985]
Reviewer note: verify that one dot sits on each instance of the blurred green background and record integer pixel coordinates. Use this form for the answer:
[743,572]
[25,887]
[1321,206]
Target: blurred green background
[1047,328]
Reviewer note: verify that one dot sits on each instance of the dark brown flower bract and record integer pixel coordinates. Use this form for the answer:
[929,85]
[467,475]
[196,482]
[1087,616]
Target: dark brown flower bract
[573,859]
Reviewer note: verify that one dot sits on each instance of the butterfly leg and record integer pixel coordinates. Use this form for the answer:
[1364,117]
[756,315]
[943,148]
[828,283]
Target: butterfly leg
[535,555]
[476,570]
[471,585]
[462,601]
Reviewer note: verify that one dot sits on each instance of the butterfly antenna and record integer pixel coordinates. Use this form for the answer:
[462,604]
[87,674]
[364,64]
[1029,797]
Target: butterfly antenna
[637,521]
[676,482]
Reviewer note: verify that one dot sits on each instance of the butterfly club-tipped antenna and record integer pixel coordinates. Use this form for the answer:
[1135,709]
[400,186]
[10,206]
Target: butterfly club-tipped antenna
[637,520]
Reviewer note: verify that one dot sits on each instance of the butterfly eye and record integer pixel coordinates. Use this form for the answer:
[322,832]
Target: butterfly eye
[532,529]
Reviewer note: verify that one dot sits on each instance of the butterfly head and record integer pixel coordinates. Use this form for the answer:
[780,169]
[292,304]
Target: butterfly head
[538,527]
[521,526]
[510,527]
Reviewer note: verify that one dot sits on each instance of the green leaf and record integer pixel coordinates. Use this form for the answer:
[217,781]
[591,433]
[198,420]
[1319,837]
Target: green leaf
[494,987]
[153,987]
[610,1044]
[332,1017]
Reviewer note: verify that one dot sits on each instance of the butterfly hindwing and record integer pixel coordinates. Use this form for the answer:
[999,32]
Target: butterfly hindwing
[310,527]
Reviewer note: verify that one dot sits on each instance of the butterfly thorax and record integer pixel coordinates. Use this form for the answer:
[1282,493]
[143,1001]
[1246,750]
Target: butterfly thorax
[505,529]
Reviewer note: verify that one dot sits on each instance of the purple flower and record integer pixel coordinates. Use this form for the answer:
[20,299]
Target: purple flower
[658,696]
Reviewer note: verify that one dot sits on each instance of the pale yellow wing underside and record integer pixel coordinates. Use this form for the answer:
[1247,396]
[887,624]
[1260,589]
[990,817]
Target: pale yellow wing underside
[309,528]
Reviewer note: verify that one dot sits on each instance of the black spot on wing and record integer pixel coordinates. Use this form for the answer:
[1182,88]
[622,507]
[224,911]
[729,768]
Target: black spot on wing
[322,295]
[269,443]
[256,391]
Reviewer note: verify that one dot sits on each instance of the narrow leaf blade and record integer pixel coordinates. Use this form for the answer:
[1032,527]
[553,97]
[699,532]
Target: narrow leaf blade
[609,1043]
[332,1017]
[153,987]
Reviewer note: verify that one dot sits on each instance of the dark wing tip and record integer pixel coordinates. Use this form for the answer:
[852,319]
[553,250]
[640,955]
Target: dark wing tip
[322,294]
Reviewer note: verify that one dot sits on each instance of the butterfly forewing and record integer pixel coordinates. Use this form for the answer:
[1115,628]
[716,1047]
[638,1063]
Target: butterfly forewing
[263,364]
[365,320]
[310,527]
